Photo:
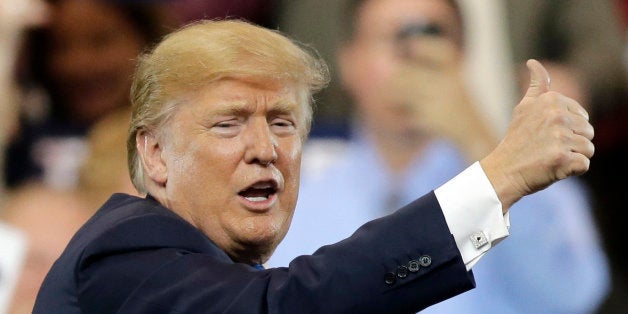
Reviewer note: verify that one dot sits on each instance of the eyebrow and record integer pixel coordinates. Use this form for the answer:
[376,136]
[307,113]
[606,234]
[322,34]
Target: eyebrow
[283,107]
[232,107]
[240,107]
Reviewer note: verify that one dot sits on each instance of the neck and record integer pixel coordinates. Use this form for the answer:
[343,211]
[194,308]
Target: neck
[250,255]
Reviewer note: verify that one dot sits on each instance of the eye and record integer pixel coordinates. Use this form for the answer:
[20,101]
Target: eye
[229,127]
[282,125]
[226,124]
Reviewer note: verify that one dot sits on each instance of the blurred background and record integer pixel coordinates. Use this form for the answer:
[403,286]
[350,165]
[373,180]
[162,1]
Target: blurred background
[66,67]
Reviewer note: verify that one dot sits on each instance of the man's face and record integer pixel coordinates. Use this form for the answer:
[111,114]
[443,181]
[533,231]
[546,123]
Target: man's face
[375,57]
[233,156]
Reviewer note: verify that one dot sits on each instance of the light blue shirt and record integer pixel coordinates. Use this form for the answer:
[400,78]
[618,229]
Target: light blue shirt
[551,263]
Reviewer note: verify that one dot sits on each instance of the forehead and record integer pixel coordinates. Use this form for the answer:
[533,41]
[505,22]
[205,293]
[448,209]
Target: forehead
[385,16]
[242,93]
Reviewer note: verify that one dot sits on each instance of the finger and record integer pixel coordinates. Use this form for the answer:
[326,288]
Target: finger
[579,164]
[582,127]
[539,79]
[582,145]
[575,107]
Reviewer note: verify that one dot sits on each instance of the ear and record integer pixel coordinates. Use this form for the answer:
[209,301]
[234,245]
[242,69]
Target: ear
[150,150]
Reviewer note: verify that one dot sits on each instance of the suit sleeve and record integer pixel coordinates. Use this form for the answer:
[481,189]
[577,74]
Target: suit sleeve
[400,263]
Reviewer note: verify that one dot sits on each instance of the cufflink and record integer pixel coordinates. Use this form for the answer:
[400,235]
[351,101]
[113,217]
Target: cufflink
[478,239]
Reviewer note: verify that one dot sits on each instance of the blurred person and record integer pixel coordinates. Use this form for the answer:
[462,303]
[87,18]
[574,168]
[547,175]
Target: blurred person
[607,184]
[220,113]
[48,218]
[581,36]
[415,126]
[81,66]
[15,17]
[578,41]
[581,42]
[587,38]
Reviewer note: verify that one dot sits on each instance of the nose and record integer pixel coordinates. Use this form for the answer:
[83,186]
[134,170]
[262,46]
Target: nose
[261,144]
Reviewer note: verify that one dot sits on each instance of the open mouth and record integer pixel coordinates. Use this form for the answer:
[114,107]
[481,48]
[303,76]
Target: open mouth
[260,191]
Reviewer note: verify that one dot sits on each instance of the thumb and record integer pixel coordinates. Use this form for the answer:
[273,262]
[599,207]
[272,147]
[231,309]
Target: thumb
[539,79]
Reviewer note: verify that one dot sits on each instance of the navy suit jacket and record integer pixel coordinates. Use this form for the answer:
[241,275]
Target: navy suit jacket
[136,256]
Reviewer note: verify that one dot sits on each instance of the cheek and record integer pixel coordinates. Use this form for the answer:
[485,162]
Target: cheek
[207,162]
[373,75]
[291,172]
[291,153]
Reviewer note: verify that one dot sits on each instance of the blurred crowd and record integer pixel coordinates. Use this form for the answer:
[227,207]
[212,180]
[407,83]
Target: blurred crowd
[417,89]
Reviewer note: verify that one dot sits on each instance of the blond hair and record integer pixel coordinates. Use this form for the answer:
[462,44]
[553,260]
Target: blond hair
[208,51]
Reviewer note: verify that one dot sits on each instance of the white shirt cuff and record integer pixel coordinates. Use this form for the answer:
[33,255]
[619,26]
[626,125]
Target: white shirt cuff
[473,213]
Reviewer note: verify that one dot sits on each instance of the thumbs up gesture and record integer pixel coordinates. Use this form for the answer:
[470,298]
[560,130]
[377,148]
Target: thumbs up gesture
[549,139]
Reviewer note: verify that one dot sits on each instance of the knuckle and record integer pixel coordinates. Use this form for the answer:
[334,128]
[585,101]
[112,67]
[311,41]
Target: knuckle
[585,147]
[562,137]
[558,116]
[580,165]
[560,159]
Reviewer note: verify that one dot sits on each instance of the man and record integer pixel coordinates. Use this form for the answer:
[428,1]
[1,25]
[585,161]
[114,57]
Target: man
[221,110]
[415,127]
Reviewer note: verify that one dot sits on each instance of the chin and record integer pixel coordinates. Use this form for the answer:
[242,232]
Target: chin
[262,233]
[263,240]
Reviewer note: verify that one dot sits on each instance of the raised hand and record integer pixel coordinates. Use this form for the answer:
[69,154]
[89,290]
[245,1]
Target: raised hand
[430,83]
[549,139]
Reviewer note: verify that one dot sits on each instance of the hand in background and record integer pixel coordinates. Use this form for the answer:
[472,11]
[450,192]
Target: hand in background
[430,86]
[549,139]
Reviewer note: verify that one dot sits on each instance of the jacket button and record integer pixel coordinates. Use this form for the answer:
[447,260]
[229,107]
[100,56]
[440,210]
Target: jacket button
[425,260]
[402,271]
[414,266]
[390,278]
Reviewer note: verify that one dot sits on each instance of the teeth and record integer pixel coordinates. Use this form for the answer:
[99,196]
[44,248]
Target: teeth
[257,198]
